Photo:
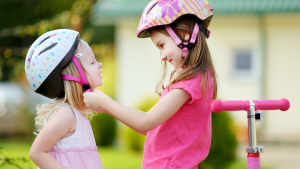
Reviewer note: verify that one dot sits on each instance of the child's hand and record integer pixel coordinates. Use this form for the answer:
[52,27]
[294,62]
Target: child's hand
[94,100]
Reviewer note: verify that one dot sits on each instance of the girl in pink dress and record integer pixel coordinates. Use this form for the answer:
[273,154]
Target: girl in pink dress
[178,127]
[62,67]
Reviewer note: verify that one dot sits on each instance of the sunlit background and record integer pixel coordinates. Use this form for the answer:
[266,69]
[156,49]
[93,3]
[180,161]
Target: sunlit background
[255,46]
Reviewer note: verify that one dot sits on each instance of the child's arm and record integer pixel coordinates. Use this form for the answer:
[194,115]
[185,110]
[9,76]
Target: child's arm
[137,130]
[60,123]
[101,110]
[137,119]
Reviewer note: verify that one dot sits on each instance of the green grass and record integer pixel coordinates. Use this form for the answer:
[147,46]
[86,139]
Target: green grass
[15,150]
[114,158]
[111,157]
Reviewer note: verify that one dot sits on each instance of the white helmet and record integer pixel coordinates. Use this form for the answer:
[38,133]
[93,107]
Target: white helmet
[47,57]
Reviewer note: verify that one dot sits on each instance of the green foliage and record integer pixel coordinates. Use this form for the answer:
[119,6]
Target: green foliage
[18,34]
[105,54]
[104,128]
[134,140]
[104,34]
[38,17]
[34,10]
[223,143]
[19,162]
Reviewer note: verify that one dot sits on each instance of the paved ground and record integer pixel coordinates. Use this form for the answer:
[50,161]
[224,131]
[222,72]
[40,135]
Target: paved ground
[276,156]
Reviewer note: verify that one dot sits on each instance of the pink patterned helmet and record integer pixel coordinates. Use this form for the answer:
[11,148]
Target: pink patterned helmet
[165,12]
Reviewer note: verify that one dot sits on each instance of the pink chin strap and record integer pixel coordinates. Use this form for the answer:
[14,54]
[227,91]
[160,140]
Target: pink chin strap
[83,81]
[185,45]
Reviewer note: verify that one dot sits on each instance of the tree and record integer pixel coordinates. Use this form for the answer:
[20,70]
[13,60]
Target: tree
[22,21]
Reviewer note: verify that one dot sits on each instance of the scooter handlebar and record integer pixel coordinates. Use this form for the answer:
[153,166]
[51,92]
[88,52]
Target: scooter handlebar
[282,104]
[237,105]
[232,105]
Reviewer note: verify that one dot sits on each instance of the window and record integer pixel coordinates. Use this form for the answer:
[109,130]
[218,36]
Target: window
[242,62]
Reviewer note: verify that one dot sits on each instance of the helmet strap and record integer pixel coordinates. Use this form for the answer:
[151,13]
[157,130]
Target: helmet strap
[83,80]
[185,46]
[204,30]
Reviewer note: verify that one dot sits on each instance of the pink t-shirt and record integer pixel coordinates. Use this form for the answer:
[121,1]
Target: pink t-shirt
[184,140]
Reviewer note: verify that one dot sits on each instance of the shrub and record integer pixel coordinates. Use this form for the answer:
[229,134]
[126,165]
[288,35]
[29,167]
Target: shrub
[134,140]
[104,128]
[223,143]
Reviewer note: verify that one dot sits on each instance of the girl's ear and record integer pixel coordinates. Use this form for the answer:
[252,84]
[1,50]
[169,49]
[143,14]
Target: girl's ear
[185,36]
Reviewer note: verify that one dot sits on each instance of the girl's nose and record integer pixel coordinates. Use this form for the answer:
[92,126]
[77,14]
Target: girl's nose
[163,57]
[99,65]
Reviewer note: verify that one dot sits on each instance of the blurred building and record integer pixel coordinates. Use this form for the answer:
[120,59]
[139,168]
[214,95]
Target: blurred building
[17,109]
[255,49]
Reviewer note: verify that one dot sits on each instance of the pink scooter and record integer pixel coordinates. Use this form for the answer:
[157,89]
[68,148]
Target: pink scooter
[252,107]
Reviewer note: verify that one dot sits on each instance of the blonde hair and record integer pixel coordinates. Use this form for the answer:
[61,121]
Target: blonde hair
[73,94]
[198,59]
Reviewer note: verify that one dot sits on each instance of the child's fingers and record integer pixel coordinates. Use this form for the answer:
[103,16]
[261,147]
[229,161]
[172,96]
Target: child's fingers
[87,99]
[85,94]
[94,99]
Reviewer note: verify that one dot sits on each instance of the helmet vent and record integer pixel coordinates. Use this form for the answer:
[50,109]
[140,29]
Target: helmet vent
[152,7]
[46,39]
[49,47]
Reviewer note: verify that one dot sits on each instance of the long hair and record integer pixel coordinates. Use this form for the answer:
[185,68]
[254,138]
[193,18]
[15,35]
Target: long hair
[73,94]
[198,59]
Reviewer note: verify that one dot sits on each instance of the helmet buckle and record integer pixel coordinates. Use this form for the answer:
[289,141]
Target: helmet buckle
[86,86]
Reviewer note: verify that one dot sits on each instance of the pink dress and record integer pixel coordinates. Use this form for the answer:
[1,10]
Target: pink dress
[79,150]
[184,140]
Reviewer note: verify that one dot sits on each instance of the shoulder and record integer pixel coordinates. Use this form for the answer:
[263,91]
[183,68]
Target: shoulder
[62,113]
[190,87]
[198,80]
[193,82]
[178,92]
[61,122]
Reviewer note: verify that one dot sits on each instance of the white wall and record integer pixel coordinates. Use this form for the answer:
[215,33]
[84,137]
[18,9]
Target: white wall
[138,64]
[229,33]
[283,69]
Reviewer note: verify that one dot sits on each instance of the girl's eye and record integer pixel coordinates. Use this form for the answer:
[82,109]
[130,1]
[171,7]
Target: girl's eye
[162,45]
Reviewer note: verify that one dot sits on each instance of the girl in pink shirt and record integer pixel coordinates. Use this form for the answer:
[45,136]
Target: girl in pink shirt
[178,127]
